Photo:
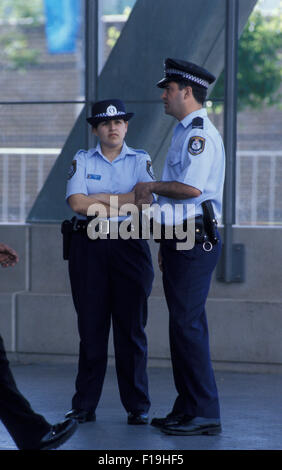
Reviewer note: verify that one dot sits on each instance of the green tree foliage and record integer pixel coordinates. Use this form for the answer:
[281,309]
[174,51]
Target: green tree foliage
[259,63]
[15,52]
[31,10]
[113,33]
[112,36]
[116,7]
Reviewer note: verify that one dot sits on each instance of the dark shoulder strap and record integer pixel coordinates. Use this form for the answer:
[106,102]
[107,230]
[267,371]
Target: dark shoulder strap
[198,123]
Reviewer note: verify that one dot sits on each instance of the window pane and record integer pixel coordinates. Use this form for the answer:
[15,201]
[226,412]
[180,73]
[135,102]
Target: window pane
[259,137]
[37,66]
[32,139]
[29,69]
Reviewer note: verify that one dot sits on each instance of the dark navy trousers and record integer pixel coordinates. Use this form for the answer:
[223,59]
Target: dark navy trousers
[111,280]
[186,279]
[24,425]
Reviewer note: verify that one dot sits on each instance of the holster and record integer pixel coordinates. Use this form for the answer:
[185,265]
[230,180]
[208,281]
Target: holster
[210,222]
[205,227]
[66,230]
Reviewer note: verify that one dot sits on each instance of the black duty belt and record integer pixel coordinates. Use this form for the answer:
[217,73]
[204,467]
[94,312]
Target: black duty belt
[205,229]
[104,227]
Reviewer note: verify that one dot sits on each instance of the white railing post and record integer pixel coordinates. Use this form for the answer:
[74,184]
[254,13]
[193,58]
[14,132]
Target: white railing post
[254,159]
[254,189]
[22,191]
[271,195]
[21,168]
[5,188]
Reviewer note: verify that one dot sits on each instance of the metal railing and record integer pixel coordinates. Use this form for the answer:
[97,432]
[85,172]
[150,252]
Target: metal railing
[259,187]
[23,172]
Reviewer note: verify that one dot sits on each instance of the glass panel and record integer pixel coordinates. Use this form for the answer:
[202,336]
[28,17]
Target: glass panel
[39,65]
[259,155]
[30,69]
[259,137]
[37,125]
[32,139]
[114,15]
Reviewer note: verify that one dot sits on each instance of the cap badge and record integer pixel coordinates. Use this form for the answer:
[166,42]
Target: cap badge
[111,110]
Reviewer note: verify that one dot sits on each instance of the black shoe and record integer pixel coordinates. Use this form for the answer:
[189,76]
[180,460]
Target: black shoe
[194,426]
[170,419]
[82,416]
[137,418]
[58,434]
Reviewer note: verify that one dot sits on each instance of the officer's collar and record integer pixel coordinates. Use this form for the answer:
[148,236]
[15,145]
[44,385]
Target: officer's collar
[124,152]
[189,118]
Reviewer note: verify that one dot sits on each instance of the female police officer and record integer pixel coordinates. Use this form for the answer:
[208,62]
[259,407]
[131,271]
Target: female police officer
[111,277]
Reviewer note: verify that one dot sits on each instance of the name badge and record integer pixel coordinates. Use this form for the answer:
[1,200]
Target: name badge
[90,176]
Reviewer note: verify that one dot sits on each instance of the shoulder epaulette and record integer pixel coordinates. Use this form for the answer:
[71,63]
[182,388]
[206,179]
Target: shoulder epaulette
[198,123]
[141,151]
[80,152]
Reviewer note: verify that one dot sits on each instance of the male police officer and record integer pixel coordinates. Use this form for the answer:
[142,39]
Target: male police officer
[194,174]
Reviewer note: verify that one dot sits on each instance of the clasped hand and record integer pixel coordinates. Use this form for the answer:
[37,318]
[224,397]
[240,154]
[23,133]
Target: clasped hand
[143,194]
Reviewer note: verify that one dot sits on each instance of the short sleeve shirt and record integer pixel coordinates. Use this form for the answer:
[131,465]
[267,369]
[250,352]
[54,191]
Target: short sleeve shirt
[195,157]
[91,172]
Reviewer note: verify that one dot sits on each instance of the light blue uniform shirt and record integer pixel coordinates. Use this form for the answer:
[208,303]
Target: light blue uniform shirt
[195,157]
[94,173]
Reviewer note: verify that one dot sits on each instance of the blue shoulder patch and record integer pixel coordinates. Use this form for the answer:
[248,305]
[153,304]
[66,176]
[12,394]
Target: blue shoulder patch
[72,169]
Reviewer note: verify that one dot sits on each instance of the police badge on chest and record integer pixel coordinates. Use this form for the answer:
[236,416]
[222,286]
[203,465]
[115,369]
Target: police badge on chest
[196,145]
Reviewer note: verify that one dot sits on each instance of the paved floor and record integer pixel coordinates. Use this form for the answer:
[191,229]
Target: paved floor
[251,407]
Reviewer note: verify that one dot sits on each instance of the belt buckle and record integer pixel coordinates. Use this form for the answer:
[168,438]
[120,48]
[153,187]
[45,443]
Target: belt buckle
[104,226]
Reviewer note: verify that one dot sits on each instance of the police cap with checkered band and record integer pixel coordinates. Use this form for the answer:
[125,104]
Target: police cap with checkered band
[176,70]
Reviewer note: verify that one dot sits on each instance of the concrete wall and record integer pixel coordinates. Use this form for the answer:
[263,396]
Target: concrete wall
[38,321]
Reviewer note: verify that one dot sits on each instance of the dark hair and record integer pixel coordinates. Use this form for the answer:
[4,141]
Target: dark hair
[116,118]
[199,93]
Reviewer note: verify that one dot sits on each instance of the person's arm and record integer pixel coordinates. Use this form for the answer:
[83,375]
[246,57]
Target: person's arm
[145,175]
[171,189]
[80,203]
[192,180]
[112,203]
[8,256]
[115,200]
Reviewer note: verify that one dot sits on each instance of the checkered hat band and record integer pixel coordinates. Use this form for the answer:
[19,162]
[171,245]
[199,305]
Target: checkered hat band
[118,113]
[188,76]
